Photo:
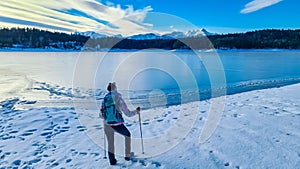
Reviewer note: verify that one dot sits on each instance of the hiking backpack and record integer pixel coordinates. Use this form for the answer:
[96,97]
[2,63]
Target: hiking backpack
[109,111]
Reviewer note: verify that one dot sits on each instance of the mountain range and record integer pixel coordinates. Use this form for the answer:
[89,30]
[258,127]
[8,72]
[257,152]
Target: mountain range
[150,36]
[95,35]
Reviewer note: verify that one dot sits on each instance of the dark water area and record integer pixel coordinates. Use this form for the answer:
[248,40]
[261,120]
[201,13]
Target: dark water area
[167,82]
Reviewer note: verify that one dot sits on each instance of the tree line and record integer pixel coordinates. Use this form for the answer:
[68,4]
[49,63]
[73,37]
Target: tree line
[36,38]
[260,39]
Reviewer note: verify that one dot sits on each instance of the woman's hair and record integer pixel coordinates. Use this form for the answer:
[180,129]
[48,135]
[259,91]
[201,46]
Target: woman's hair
[111,86]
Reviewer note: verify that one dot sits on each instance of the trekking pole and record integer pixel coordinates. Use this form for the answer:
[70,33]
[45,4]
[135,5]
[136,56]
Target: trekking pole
[141,134]
[104,136]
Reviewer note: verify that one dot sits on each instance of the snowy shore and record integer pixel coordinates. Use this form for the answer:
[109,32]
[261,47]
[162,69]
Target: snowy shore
[258,129]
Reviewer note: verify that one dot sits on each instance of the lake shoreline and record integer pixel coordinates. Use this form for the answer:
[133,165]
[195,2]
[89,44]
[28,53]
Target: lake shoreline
[150,50]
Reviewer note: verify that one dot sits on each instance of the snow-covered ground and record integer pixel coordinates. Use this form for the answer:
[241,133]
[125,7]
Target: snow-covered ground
[258,129]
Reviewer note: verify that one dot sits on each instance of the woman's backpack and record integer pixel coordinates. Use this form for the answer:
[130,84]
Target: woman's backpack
[109,111]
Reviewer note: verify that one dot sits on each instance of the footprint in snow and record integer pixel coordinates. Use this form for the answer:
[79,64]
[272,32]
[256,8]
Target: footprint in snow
[28,132]
[226,164]
[47,133]
[66,121]
[63,129]
[34,161]
[160,120]
[13,132]
[52,163]
[83,153]
[215,159]
[95,154]
[81,128]
[55,164]
[68,160]
[74,152]
[143,162]
[99,127]
[16,162]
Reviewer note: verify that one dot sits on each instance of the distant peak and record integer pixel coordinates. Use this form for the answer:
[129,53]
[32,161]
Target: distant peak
[147,36]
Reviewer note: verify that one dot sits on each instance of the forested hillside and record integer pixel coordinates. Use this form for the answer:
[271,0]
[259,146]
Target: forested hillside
[260,39]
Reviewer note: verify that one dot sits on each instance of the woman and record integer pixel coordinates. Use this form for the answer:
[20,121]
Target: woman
[112,108]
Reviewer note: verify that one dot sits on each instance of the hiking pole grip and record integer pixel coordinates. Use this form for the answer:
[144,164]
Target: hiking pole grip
[141,134]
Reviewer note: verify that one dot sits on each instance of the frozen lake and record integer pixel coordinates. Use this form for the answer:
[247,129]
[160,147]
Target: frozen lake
[143,75]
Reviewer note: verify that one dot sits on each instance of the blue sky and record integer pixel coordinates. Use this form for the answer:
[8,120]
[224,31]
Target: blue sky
[129,17]
[227,16]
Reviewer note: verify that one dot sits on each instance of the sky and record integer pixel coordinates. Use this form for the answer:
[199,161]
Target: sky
[129,17]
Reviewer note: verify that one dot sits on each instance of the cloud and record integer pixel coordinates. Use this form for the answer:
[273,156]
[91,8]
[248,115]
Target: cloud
[256,5]
[71,16]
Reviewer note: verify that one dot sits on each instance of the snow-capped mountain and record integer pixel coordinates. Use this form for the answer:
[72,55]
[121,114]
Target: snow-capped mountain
[188,34]
[147,36]
[93,35]
[117,36]
[197,33]
[173,35]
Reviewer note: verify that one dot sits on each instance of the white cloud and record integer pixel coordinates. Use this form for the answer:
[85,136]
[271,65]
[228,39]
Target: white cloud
[69,15]
[256,5]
